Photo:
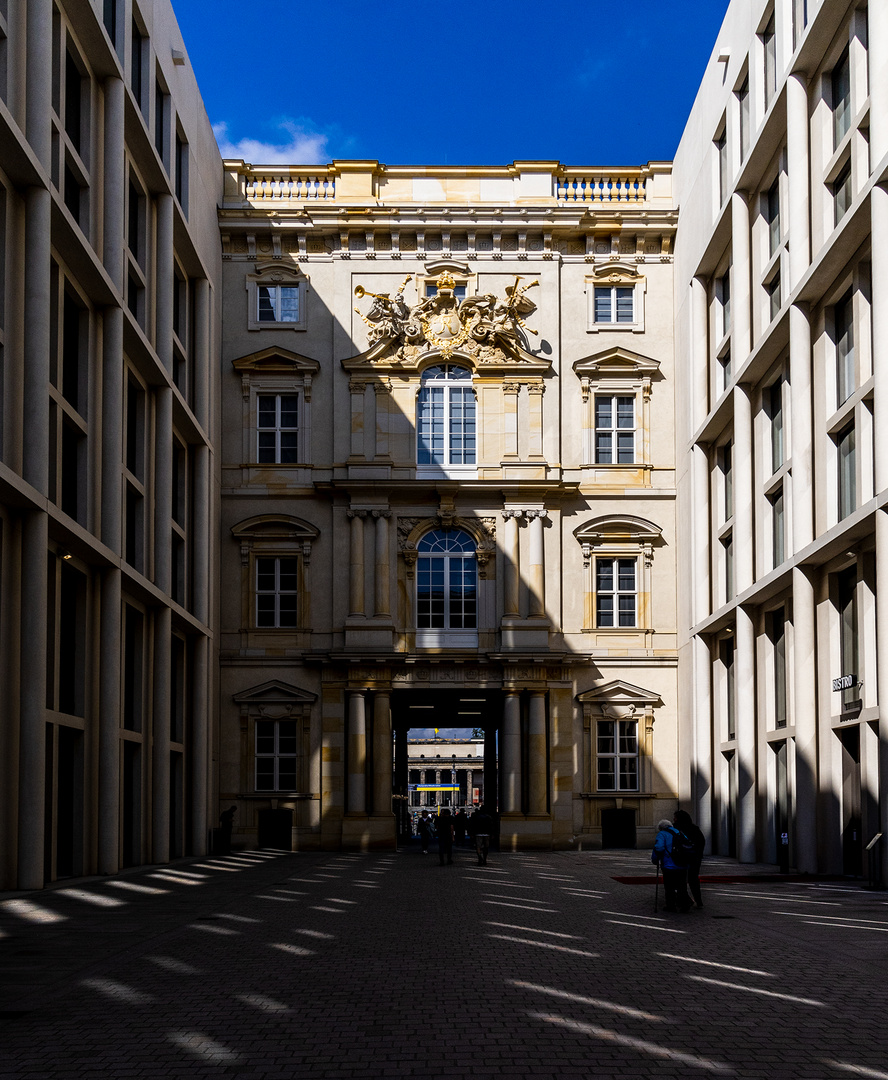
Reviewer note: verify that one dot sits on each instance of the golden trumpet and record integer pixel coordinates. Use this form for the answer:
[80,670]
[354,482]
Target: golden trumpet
[361,291]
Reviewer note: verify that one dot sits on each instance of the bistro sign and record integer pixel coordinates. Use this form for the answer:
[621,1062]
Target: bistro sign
[844,682]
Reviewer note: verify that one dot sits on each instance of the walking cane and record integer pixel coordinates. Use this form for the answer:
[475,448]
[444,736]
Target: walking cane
[657,886]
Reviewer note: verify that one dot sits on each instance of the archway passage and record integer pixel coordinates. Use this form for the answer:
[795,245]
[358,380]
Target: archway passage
[429,714]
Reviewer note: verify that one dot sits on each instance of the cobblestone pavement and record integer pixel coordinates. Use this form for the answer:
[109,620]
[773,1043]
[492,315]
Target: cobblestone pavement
[264,966]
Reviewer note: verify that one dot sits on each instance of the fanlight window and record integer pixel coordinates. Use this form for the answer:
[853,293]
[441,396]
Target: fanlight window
[445,417]
[446,581]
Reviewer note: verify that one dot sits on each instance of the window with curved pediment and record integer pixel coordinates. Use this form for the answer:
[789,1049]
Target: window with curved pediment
[617,561]
[615,299]
[616,386]
[276,299]
[446,589]
[446,435]
[275,557]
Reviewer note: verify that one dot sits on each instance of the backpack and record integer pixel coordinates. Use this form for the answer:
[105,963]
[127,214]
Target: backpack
[683,850]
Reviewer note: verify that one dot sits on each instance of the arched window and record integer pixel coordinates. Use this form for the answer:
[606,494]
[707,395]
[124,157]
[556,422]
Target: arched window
[445,418]
[446,586]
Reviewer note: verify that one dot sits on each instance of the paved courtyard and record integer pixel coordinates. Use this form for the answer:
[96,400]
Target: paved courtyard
[264,966]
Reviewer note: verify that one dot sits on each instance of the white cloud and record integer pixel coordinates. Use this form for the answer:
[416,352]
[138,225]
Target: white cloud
[299,147]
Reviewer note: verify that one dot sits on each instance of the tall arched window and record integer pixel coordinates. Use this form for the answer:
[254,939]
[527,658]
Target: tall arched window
[445,418]
[446,588]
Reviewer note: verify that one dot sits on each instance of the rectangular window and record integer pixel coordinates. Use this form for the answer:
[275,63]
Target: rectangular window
[161,121]
[109,17]
[723,295]
[777,634]
[278,303]
[846,380]
[799,20]
[728,548]
[137,73]
[769,53]
[721,150]
[614,304]
[773,212]
[840,82]
[847,472]
[775,414]
[617,755]
[73,101]
[614,430]
[182,173]
[848,640]
[276,592]
[276,757]
[778,527]
[841,189]
[616,594]
[278,429]
[726,655]
[727,368]
[774,297]
[743,103]
[727,468]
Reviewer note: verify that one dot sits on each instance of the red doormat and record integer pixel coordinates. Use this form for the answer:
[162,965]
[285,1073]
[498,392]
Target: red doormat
[761,879]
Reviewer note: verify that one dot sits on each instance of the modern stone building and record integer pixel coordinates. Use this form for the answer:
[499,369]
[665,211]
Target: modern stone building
[109,260]
[782,422]
[447,490]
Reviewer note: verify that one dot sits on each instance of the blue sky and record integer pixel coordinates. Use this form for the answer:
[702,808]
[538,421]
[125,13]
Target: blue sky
[594,83]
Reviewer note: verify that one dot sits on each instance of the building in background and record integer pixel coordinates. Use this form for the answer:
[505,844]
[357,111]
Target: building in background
[782,422]
[109,247]
[447,492]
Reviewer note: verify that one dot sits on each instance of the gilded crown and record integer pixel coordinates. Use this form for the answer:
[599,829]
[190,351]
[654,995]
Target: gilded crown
[445,281]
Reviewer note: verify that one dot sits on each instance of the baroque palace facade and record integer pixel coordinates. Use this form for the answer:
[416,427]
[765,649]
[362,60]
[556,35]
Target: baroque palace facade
[447,494]
[295,460]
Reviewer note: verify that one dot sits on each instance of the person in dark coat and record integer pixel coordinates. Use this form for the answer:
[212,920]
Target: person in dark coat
[445,836]
[675,878]
[425,832]
[459,827]
[682,820]
[482,827]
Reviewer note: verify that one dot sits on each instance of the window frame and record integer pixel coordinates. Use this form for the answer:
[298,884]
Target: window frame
[278,429]
[614,430]
[452,390]
[277,592]
[614,538]
[277,278]
[618,565]
[615,277]
[616,755]
[452,559]
[276,756]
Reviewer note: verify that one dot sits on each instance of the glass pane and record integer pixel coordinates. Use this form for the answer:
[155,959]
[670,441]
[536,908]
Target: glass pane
[267,411]
[265,774]
[606,777]
[267,447]
[603,305]
[606,737]
[628,731]
[287,774]
[289,411]
[289,448]
[289,304]
[626,447]
[288,571]
[628,774]
[604,454]
[605,570]
[266,303]
[627,611]
[625,311]
[627,574]
[603,412]
[605,610]
[265,737]
[265,577]
[287,608]
[287,733]
[265,610]
[625,412]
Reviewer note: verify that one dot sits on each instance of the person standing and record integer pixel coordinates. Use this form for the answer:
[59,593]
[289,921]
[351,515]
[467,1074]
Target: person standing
[675,877]
[445,837]
[682,820]
[483,827]
[425,832]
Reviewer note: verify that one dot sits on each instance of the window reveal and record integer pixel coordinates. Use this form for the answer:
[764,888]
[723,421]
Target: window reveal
[616,592]
[617,755]
[276,592]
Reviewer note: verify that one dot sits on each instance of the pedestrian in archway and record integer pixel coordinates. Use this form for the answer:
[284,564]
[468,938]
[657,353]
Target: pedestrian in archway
[482,827]
[425,832]
[445,837]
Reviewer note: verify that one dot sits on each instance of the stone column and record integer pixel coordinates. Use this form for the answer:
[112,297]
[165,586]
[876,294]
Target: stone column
[165,282]
[38,80]
[203,379]
[537,771]
[536,571]
[535,393]
[745,728]
[511,566]
[741,328]
[160,739]
[109,722]
[877,56]
[742,467]
[802,519]
[382,753]
[699,396]
[356,564]
[356,391]
[37,343]
[510,753]
[702,527]
[491,795]
[32,736]
[383,585]
[357,753]
[805,718]
[511,390]
[703,735]
[163,489]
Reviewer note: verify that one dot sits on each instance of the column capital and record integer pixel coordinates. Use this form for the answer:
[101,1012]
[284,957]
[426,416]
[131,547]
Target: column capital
[376,513]
[355,386]
[507,514]
[356,513]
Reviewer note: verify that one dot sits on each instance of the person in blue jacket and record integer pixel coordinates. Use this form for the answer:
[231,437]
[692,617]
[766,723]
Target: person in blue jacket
[675,877]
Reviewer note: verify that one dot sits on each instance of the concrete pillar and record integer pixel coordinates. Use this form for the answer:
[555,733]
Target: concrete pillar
[536,570]
[805,718]
[356,564]
[801,427]
[745,728]
[357,752]
[701,526]
[510,753]
[163,489]
[383,603]
[202,541]
[798,210]
[37,344]
[741,310]
[203,378]
[699,395]
[537,771]
[32,737]
[201,751]
[742,467]
[109,722]
[879,202]
[114,184]
[879,214]
[165,281]
[702,779]
[382,753]
[38,79]
[160,738]
[511,567]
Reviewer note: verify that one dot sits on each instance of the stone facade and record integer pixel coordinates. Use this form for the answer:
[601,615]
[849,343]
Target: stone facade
[451,349]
